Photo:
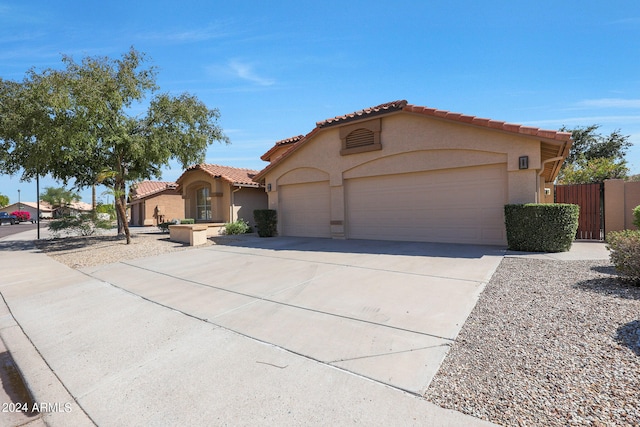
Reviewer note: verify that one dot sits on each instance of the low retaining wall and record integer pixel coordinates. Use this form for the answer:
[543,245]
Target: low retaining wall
[194,234]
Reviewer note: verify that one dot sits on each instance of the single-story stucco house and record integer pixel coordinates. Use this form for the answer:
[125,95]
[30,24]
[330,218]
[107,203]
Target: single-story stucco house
[220,194]
[31,207]
[154,202]
[403,172]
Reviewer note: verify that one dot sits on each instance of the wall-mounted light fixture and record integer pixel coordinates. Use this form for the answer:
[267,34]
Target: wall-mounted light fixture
[524,162]
[268,187]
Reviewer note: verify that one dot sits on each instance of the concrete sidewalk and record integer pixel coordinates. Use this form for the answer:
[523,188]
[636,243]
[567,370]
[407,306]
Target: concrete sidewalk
[98,354]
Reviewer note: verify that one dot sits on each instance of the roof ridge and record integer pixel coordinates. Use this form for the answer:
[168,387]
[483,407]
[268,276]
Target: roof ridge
[366,112]
[220,166]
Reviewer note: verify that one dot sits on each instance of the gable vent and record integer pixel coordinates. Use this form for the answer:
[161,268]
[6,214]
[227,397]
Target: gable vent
[359,138]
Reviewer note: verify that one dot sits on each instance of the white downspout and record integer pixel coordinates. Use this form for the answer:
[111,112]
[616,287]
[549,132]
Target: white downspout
[233,203]
[553,159]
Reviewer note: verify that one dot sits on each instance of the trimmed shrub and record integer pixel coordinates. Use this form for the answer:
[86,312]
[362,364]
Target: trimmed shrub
[266,222]
[83,225]
[188,221]
[240,226]
[22,215]
[636,217]
[541,227]
[625,252]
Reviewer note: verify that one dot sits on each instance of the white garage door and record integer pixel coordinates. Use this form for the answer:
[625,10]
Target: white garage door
[305,209]
[463,205]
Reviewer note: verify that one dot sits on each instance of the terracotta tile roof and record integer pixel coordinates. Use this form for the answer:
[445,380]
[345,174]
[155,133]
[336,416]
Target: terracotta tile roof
[289,141]
[494,124]
[144,189]
[236,176]
[403,106]
[367,112]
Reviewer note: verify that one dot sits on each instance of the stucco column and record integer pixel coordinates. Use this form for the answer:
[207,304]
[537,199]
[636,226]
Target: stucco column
[337,212]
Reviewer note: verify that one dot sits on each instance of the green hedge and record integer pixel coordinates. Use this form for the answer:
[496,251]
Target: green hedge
[636,216]
[541,227]
[188,221]
[266,222]
[625,252]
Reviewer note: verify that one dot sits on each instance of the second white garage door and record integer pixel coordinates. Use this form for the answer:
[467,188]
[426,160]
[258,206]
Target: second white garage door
[463,205]
[305,209]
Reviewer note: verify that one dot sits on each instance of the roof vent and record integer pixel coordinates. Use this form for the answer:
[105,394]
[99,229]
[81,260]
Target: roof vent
[359,138]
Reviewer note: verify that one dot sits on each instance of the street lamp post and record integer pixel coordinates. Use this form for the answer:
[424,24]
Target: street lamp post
[19,207]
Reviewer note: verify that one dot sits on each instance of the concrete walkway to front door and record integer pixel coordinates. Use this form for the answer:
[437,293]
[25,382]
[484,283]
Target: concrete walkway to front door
[277,331]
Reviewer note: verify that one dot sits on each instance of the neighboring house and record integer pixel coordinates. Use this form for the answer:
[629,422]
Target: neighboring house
[32,208]
[403,172]
[75,208]
[220,194]
[154,202]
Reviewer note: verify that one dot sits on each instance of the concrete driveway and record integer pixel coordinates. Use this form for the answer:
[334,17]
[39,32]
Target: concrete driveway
[283,330]
[384,310]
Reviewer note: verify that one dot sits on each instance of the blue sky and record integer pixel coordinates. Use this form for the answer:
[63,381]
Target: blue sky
[274,69]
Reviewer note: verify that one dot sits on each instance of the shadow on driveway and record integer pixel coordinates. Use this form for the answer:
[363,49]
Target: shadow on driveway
[373,247]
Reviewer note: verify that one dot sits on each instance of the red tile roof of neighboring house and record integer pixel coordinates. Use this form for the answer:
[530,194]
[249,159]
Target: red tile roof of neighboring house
[289,141]
[235,176]
[144,189]
[402,105]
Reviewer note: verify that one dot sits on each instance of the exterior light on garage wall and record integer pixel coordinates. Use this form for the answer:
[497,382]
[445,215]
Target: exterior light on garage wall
[268,187]
[524,162]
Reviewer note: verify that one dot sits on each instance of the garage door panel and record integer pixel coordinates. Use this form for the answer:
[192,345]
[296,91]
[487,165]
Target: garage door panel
[305,209]
[458,205]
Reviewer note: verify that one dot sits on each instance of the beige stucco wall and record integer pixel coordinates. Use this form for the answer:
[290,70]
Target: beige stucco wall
[620,198]
[410,143]
[228,202]
[244,201]
[158,208]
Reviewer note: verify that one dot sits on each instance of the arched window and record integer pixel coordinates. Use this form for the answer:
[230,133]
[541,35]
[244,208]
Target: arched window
[203,204]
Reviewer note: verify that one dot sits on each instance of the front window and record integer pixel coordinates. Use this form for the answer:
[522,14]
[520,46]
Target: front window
[203,204]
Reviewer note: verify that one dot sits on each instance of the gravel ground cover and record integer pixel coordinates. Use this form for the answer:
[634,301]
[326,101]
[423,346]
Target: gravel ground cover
[88,251]
[550,343]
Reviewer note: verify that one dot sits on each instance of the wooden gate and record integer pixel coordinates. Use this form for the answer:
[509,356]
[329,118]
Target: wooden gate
[590,198]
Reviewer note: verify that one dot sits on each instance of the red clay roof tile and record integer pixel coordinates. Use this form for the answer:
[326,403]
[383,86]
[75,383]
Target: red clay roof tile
[236,176]
[144,189]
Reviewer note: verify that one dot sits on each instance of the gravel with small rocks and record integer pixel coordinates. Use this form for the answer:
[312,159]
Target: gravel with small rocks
[550,343]
[107,248]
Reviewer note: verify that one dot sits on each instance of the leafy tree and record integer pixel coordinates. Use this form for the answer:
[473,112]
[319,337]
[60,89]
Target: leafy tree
[592,171]
[106,208]
[589,144]
[78,124]
[59,199]
[594,157]
[4,201]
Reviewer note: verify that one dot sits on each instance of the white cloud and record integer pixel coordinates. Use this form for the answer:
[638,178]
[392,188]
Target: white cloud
[245,71]
[609,103]
[210,32]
